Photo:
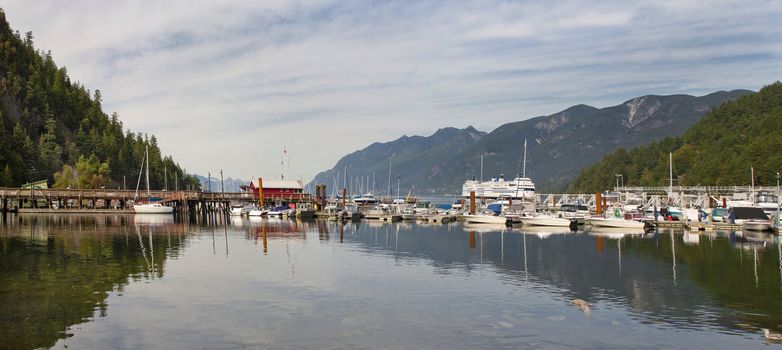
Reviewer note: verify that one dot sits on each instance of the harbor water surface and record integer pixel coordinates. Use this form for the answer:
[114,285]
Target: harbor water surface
[154,282]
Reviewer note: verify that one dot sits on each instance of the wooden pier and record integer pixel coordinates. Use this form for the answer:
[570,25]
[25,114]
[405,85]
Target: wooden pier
[118,201]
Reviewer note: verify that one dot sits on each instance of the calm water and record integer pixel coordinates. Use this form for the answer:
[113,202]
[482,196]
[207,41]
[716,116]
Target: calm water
[140,282]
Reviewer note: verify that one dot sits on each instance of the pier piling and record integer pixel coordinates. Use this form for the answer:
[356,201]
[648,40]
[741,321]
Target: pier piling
[472,202]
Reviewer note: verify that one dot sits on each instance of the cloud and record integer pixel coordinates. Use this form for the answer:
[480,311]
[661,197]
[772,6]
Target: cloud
[228,85]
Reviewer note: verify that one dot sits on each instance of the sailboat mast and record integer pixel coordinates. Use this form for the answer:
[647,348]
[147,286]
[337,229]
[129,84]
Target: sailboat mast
[140,170]
[147,153]
[752,174]
[524,167]
[670,173]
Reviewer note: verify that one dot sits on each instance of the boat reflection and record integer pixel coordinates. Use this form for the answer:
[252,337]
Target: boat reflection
[544,231]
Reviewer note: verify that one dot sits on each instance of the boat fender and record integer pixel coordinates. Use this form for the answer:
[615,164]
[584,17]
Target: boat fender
[617,213]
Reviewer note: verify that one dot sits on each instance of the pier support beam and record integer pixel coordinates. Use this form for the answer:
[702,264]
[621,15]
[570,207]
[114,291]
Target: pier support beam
[598,203]
[472,202]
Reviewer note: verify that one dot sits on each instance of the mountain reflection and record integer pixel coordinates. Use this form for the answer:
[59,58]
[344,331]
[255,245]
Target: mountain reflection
[673,280]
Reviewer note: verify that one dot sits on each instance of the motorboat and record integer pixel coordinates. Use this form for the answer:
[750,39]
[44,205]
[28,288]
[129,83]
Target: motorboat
[282,210]
[751,218]
[257,212]
[615,222]
[408,214]
[545,220]
[236,210]
[757,225]
[485,218]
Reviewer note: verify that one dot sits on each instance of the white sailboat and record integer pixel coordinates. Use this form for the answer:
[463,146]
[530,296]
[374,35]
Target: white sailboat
[149,207]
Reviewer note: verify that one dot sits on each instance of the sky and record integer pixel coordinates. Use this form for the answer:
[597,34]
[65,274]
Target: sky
[230,85]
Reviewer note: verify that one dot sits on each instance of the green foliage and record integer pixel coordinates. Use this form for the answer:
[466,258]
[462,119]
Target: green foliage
[46,121]
[88,173]
[718,150]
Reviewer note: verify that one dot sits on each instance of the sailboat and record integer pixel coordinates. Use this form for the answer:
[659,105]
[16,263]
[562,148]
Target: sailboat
[149,207]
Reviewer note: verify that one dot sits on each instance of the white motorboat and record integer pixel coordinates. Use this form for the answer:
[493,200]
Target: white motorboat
[751,218]
[615,223]
[149,207]
[236,210]
[485,219]
[756,224]
[408,214]
[545,220]
[280,211]
[257,212]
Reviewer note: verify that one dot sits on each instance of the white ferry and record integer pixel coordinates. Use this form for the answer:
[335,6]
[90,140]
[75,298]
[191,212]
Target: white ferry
[520,188]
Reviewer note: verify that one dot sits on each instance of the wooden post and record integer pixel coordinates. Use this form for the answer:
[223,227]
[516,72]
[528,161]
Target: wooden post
[472,240]
[260,193]
[264,238]
[344,194]
[598,203]
[472,202]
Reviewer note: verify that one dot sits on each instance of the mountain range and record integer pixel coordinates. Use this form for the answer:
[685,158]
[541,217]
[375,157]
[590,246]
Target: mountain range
[738,138]
[558,146]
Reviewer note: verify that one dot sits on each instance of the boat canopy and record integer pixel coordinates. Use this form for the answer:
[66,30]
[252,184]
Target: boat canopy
[747,213]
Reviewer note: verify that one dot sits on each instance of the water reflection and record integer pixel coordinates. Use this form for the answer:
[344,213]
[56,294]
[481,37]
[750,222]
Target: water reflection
[523,283]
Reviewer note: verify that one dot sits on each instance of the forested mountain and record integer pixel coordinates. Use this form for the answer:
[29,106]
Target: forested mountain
[718,150]
[413,158]
[559,145]
[53,128]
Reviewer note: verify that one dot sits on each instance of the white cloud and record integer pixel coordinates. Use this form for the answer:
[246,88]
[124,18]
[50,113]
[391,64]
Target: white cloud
[227,85]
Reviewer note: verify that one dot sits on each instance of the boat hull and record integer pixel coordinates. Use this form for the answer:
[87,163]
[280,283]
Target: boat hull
[545,221]
[757,225]
[152,209]
[616,223]
[485,219]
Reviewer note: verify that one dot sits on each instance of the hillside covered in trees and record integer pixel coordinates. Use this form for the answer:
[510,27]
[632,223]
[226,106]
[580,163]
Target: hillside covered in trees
[53,128]
[718,150]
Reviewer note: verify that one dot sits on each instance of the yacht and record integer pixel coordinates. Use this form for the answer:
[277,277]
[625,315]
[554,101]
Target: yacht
[366,199]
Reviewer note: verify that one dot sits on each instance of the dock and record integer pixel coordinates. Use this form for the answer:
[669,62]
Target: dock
[120,201]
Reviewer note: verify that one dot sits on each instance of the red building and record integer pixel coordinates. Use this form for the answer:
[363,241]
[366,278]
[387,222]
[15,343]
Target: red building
[279,190]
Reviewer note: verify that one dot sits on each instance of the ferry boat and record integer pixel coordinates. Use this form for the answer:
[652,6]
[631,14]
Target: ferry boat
[520,188]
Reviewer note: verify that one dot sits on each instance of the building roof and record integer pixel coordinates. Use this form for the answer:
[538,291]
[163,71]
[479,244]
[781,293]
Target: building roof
[283,184]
